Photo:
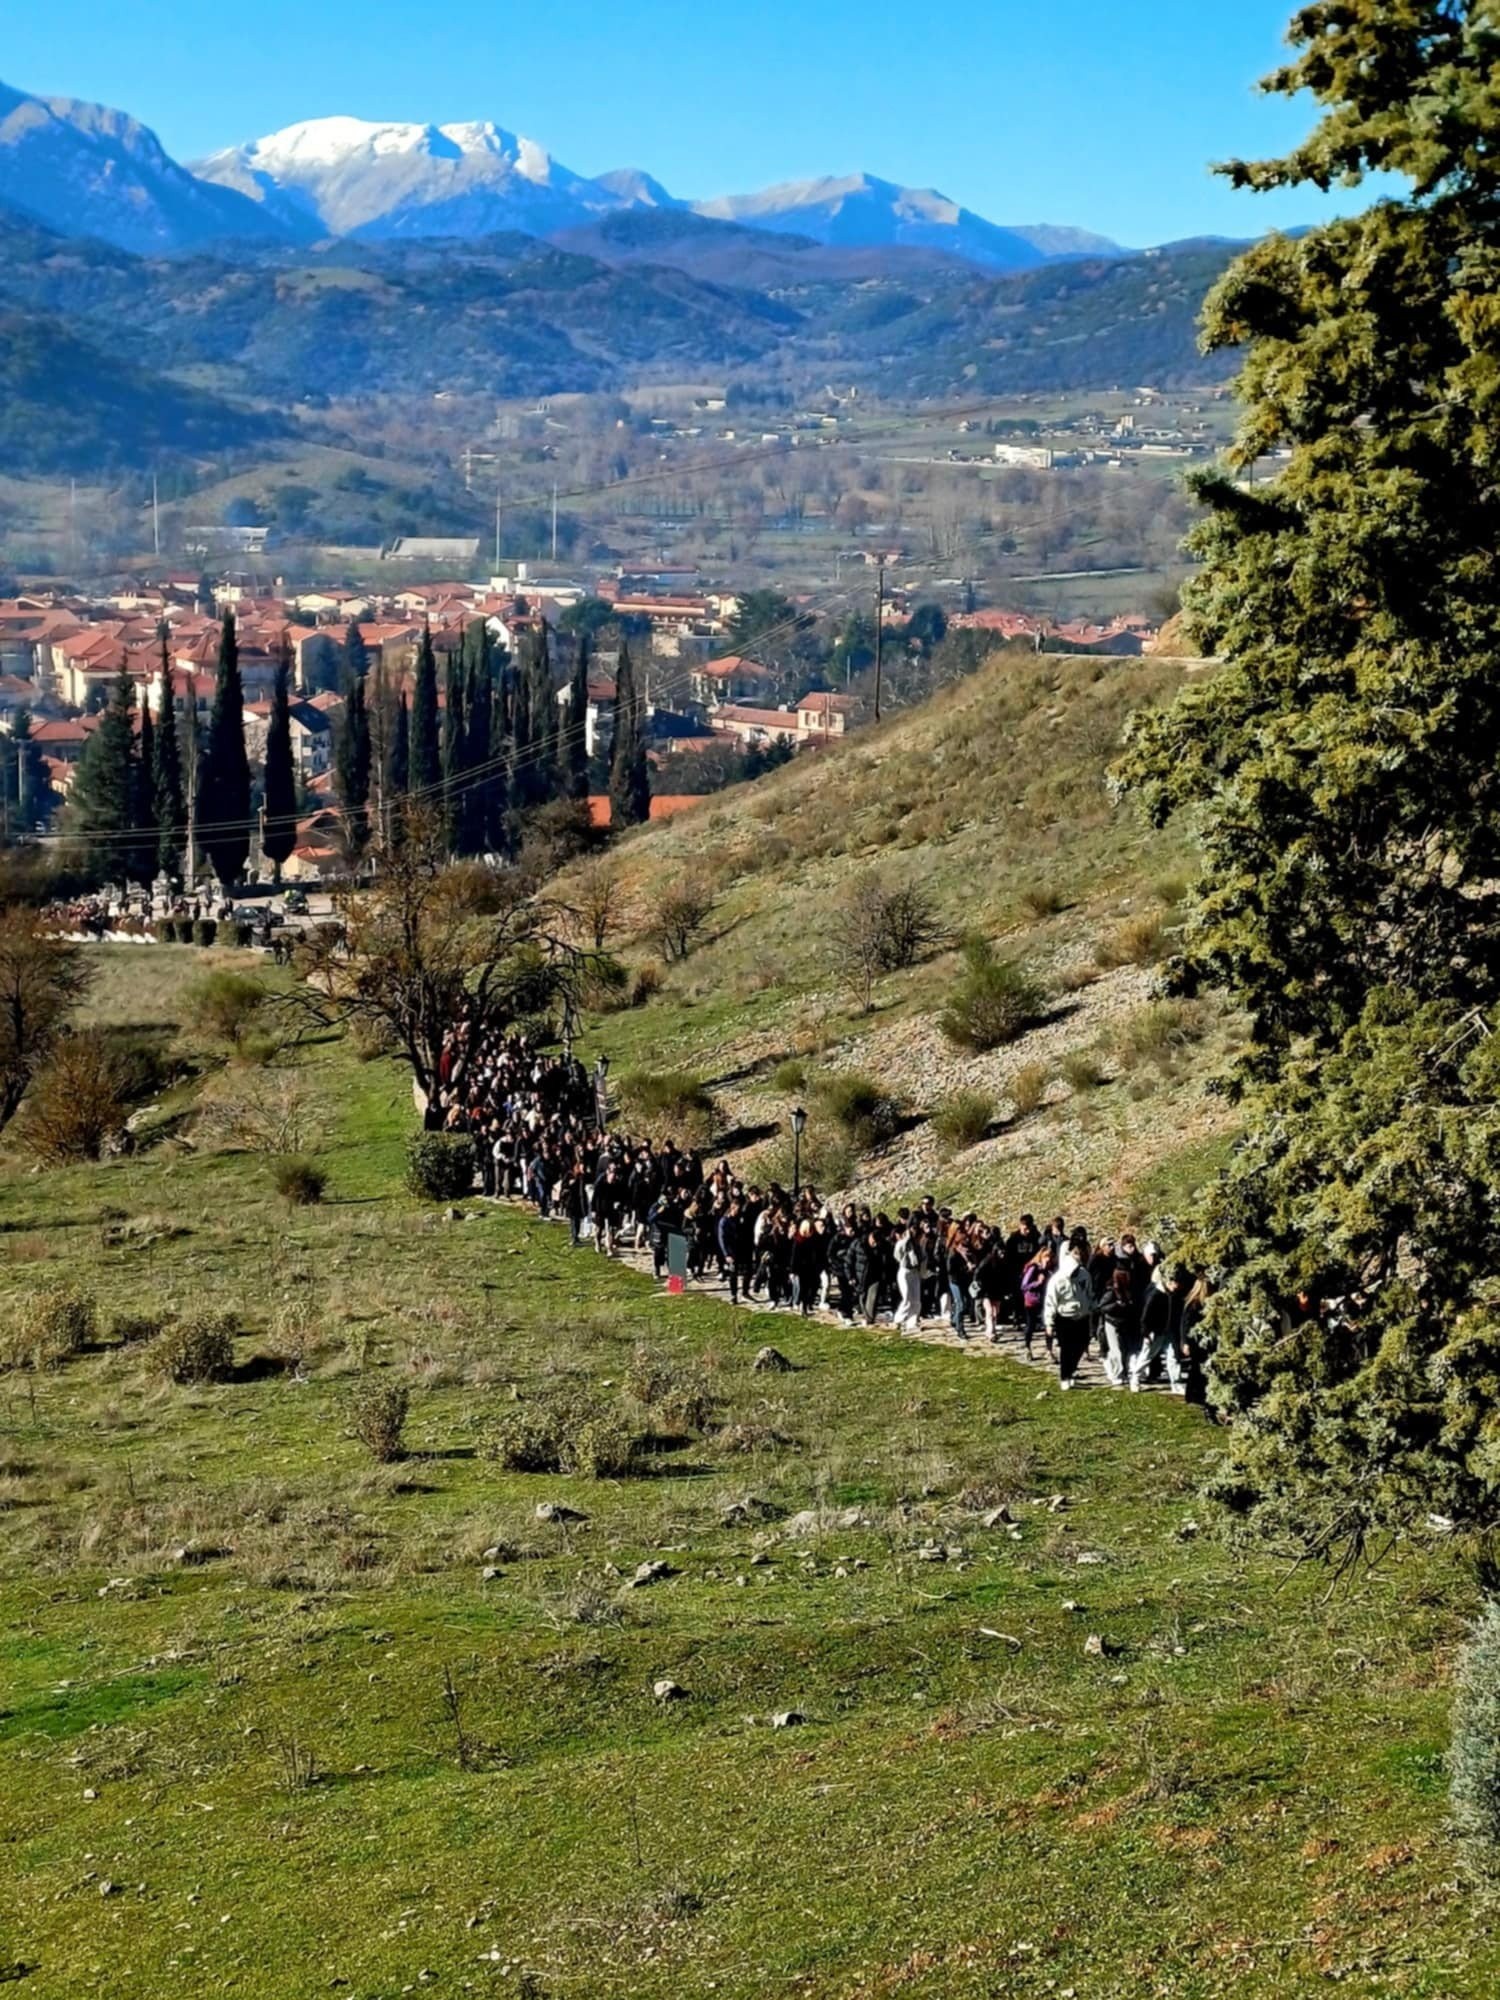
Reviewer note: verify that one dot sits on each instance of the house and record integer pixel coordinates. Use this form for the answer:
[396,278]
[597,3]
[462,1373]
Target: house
[756,725]
[311,732]
[824,715]
[63,742]
[731,679]
[599,720]
[665,807]
[320,854]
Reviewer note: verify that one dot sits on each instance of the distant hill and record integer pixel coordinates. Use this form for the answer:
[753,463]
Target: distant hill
[69,406]
[730,253]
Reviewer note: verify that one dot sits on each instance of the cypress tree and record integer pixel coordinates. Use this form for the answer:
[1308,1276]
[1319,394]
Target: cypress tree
[168,808]
[425,757]
[224,775]
[144,780]
[629,773]
[397,772]
[279,826]
[542,706]
[351,766]
[105,799]
[25,784]
[356,655]
[479,738]
[573,733]
[455,751]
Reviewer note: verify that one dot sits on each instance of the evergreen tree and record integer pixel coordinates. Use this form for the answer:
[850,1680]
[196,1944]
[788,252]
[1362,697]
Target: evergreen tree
[573,745]
[279,825]
[224,772]
[356,655]
[169,810]
[351,766]
[145,789]
[629,773]
[1340,765]
[541,769]
[397,773]
[425,753]
[480,745]
[105,803]
[455,749]
[27,798]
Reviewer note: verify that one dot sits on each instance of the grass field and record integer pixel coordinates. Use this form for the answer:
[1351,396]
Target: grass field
[277,1721]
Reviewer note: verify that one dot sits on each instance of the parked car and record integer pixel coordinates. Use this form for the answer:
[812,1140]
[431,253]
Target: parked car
[296,902]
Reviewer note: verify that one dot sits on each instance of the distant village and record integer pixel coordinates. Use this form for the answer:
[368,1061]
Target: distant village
[62,653]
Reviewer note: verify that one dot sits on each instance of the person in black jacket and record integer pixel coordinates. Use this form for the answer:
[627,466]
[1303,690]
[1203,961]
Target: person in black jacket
[575,1201]
[737,1247]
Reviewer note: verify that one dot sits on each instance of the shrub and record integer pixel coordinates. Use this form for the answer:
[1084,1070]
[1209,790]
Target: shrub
[677,1393]
[963,1117]
[163,931]
[242,934]
[1028,1088]
[299,1181]
[827,1159]
[1170,890]
[1474,1758]
[669,1104]
[1160,1032]
[199,1348]
[866,1114]
[1137,941]
[996,1001]
[50,1326]
[223,1004]
[1042,900]
[605,986]
[135,1329]
[78,1103]
[377,1417]
[569,1431]
[789,1077]
[877,929]
[1081,1070]
[182,929]
[372,1039]
[205,931]
[440,1165]
[646,985]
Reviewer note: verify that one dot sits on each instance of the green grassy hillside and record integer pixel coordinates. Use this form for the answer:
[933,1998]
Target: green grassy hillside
[277,1721]
[991,802]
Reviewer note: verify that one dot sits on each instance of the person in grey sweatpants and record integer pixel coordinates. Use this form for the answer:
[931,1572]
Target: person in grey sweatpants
[1068,1309]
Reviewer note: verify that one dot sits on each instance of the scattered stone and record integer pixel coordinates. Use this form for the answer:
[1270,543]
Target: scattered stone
[562,1517]
[741,1581]
[788,1718]
[89,1792]
[665,1690]
[453,1215]
[807,1522]
[650,1572]
[931,1552]
[739,1513]
[490,1572]
[986,1632]
[995,1517]
[841,1571]
[108,1888]
[850,1518]
[1069,1605]
[1097,1647]
[1057,1503]
[1089,1556]
[194,1552]
[760,1560]
[771,1361]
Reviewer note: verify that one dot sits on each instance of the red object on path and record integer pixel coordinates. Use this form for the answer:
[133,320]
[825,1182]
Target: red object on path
[676,1285]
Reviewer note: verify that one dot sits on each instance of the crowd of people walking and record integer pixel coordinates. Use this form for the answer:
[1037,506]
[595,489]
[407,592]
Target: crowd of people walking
[537,1126]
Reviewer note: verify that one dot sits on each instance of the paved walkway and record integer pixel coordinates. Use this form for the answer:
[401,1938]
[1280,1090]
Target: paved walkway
[933,1332]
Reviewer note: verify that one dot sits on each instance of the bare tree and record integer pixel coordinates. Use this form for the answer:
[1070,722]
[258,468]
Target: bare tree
[413,957]
[681,915]
[877,929]
[597,903]
[42,979]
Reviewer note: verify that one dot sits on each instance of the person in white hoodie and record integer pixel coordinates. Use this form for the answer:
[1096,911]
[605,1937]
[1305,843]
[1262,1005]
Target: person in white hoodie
[908,1250]
[1068,1309]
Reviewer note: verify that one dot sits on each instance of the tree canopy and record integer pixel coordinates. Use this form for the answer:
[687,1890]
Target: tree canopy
[1340,766]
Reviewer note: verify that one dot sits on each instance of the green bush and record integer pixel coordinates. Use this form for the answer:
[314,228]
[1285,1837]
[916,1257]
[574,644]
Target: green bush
[790,1077]
[182,929]
[963,1117]
[199,1348]
[1474,1757]
[135,1329]
[605,987]
[162,930]
[995,1002]
[567,1431]
[223,1004]
[241,934]
[646,985]
[866,1114]
[1160,1032]
[668,1104]
[377,1417]
[51,1326]
[299,1181]
[1043,900]
[440,1165]
[205,931]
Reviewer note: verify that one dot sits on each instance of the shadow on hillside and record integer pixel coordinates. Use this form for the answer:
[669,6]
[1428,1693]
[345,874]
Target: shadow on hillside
[739,1136]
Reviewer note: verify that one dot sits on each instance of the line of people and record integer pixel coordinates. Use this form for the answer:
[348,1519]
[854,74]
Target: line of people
[534,1119]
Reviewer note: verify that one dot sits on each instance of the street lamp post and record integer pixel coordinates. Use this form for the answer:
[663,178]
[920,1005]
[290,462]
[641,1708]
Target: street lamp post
[799,1126]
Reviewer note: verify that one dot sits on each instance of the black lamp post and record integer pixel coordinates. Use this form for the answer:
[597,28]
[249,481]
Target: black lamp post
[799,1126]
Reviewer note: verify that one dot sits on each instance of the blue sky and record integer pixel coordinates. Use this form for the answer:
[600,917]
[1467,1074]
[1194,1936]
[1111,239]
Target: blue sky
[1104,113]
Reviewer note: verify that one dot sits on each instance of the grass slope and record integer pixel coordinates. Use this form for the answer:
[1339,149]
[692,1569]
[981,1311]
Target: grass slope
[991,801]
[1241,1795]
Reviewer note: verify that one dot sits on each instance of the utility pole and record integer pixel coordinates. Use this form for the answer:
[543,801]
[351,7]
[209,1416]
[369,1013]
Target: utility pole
[879,630]
[189,868]
[497,534]
[554,520]
[155,518]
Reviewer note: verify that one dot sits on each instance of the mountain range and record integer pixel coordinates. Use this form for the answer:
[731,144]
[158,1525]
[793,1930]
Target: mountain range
[86,170]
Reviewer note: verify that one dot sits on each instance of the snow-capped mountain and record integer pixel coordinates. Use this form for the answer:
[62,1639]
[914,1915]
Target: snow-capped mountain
[89,171]
[348,177]
[861,210]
